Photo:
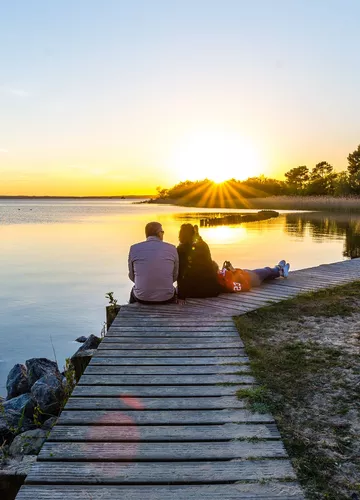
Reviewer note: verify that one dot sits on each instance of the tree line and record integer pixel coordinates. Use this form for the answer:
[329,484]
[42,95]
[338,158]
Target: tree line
[301,181]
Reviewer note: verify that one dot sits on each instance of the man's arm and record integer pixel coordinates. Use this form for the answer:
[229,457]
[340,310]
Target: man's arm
[131,268]
[176,266]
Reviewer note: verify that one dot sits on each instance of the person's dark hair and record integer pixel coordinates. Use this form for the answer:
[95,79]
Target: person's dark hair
[186,233]
[152,229]
[215,266]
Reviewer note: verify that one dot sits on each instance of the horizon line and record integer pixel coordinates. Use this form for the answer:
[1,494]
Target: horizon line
[121,197]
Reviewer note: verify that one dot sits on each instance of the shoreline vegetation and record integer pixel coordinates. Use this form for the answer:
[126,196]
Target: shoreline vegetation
[305,355]
[319,188]
[300,203]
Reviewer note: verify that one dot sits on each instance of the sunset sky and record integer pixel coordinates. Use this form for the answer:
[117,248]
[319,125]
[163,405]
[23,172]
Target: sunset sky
[118,97]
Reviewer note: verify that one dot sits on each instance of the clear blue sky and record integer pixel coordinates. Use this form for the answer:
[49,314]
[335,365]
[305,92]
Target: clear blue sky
[107,93]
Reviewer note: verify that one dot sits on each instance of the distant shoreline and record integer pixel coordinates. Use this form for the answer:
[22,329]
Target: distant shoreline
[25,197]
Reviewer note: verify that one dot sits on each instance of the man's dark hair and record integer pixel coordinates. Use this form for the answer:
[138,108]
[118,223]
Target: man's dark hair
[152,229]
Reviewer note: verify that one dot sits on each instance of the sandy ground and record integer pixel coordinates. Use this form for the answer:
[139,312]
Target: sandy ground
[328,420]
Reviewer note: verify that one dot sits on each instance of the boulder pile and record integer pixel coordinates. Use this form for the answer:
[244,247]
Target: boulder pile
[36,393]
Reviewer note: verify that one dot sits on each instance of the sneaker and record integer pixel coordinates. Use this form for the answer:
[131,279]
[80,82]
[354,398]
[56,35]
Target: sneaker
[285,270]
[281,264]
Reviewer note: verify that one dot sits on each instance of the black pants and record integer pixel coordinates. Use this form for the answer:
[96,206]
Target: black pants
[134,299]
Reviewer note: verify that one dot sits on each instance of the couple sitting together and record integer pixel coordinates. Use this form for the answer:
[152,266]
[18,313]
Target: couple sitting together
[154,266]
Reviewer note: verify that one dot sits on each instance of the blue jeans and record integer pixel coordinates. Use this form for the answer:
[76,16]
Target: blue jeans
[263,274]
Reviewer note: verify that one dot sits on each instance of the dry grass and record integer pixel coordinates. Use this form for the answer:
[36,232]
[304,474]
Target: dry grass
[305,352]
[322,203]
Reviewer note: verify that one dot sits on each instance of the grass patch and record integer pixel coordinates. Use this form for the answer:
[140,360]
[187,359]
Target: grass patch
[309,385]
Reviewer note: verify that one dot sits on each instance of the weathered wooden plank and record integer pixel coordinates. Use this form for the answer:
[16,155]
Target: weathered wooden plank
[118,452]
[181,417]
[93,369]
[263,291]
[236,299]
[215,344]
[174,380]
[244,491]
[168,333]
[159,473]
[155,390]
[149,433]
[179,328]
[185,341]
[244,298]
[159,321]
[128,403]
[233,352]
[167,361]
[216,305]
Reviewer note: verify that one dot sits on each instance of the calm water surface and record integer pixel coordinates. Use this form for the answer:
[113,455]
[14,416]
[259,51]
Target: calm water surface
[58,259]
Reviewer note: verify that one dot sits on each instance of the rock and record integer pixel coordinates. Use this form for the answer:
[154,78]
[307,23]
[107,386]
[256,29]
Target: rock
[12,423]
[17,381]
[92,342]
[49,423]
[4,454]
[39,367]
[13,475]
[80,360]
[81,339]
[28,443]
[48,393]
[23,404]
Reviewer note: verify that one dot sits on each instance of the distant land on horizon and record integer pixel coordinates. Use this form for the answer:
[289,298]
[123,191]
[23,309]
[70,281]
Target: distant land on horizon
[29,197]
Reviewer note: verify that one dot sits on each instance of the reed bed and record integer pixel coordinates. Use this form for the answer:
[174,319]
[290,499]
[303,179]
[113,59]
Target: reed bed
[322,203]
[310,203]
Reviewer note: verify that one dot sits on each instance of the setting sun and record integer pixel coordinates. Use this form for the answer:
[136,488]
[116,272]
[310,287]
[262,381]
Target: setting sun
[216,155]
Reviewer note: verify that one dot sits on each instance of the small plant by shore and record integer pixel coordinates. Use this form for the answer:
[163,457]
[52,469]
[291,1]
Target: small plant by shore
[112,300]
[305,354]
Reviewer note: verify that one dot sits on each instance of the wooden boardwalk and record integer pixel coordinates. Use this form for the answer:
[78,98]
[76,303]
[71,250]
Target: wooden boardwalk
[155,415]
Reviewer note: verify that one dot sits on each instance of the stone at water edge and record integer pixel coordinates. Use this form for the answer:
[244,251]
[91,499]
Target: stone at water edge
[17,382]
[39,367]
[23,404]
[92,342]
[49,423]
[11,423]
[28,443]
[48,393]
[81,339]
[80,360]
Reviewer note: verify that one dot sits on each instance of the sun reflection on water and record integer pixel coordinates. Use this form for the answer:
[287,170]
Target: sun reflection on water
[224,235]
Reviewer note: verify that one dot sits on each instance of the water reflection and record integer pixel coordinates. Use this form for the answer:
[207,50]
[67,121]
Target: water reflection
[322,227]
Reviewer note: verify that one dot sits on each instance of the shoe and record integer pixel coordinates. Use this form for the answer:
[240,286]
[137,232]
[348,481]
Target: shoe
[284,272]
[281,264]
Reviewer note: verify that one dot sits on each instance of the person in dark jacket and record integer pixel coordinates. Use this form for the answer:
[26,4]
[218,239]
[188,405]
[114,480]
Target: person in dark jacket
[197,276]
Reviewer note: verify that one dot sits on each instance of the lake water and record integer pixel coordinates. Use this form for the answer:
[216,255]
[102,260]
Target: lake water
[58,259]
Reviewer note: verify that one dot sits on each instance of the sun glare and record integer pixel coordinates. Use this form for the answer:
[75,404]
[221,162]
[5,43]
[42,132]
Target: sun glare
[215,155]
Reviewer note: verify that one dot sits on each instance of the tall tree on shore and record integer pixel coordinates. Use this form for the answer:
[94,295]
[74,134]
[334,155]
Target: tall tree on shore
[354,170]
[354,161]
[297,178]
[322,179]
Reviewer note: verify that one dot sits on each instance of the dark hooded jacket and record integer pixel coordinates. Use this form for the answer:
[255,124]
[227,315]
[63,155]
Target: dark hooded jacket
[197,276]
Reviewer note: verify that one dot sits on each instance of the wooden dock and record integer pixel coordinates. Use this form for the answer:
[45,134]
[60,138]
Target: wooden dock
[155,415]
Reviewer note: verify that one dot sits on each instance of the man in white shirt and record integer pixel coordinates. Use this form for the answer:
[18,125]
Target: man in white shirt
[153,267]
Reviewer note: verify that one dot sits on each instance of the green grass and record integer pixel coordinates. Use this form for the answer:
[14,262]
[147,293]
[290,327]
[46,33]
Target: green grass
[293,371]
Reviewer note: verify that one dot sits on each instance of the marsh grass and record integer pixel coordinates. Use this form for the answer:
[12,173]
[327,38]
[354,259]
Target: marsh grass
[312,203]
[309,385]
